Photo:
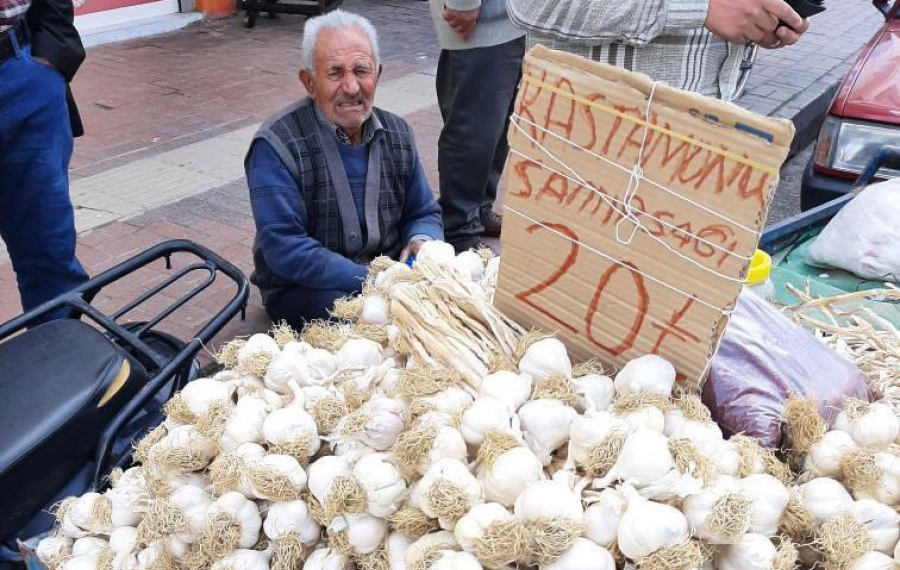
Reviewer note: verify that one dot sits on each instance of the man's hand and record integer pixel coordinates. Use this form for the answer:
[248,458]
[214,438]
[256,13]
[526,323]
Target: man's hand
[784,36]
[740,21]
[412,248]
[463,23]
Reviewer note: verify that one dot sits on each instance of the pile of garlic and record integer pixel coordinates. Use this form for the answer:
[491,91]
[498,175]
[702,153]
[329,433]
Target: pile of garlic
[337,449]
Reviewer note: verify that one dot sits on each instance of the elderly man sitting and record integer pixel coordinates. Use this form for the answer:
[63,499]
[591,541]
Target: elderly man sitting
[334,181]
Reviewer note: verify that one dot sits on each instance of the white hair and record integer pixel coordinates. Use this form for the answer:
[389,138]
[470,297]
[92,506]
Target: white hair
[335,20]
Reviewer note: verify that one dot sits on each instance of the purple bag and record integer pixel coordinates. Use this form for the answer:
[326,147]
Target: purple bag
[762,359]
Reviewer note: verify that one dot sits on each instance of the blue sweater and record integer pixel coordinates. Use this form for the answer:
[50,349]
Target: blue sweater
[281,219]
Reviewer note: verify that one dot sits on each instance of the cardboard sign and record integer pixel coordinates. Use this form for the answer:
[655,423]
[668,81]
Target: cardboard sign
[630,221]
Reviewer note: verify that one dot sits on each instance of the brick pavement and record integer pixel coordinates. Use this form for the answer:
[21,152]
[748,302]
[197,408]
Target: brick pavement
[146,96]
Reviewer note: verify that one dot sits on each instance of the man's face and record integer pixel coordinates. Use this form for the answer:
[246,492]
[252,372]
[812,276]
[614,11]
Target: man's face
[343,83]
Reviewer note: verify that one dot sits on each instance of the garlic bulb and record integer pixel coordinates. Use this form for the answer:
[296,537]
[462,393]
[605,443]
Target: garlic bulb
[886,475]
[548,499]
[601,518]
[473,524]
[881,522]
[596,392]
[544,357]
[193,503]
[769,498]
[53,548]
[257,344]
[825,456]
[870,425]
[322,472]
[381,422]
[123,541]
[441,540]
[589,431]
[328,559]
[198,396]
[825,498]
[276,478]
[382,482]
[364,532]
[644,458]
[88,545]
[287,368]
[452,560]
[697,432]
[291,429]
[238,510]
[752,552]
[720,513]
[452,401]
[243,559]
[724,454]
[645,418]
[80,562]
[126,497]
[291,517]
[438,252]
[510,473]
[647,526]
[545,424]
[183,449]
[447,478]
[375,311]
[396,546]
[484,415]
[583,555]
[86,516]
[469,266]
[359,354]
[245,424]
[508,387]
[648,373]
[873,561]
[385,280]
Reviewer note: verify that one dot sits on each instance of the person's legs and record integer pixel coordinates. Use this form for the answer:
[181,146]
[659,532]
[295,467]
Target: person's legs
[36,217]
[298,305]
[475,89]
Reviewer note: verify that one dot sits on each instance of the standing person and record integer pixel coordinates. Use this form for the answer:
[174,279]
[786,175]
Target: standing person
[696,45]
[478,71]
[39,53]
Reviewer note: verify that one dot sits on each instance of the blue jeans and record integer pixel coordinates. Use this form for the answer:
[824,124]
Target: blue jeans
[36,217]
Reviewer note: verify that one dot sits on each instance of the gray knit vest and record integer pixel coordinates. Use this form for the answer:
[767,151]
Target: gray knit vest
[309,151]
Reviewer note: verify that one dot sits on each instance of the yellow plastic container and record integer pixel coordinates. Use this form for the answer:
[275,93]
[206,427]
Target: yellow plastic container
[758,277]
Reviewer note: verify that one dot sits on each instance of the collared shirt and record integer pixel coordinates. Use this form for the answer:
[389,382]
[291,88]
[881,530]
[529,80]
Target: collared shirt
[665,39]
[370,126]
[12,12]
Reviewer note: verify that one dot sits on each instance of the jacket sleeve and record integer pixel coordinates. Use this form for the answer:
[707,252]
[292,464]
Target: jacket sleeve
[593,22]
[53,34]
[421,213]
[281,228]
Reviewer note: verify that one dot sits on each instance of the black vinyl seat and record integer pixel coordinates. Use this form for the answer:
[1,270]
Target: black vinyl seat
[60,383]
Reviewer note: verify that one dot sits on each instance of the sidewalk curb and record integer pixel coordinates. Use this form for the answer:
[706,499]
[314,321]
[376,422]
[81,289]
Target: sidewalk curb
[808,120]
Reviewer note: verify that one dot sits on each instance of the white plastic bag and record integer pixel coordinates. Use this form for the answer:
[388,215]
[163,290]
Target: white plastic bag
[864,237]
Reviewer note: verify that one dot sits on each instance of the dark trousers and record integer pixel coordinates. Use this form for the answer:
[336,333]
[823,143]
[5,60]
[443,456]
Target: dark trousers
[476,89]
[36,218]
[298,305]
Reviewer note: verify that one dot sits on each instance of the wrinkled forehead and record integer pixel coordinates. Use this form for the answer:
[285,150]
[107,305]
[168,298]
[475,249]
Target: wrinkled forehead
[346,46]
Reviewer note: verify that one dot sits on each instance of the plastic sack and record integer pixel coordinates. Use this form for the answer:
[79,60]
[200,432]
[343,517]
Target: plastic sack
[762,359]
[864,237]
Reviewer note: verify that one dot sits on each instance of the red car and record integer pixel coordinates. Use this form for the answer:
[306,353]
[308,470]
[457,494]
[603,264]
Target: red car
[864,117]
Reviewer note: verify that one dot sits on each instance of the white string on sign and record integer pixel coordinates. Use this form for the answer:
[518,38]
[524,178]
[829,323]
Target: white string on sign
[608,199]
[586,184]
[634,182]
[520,118]
[616,261]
